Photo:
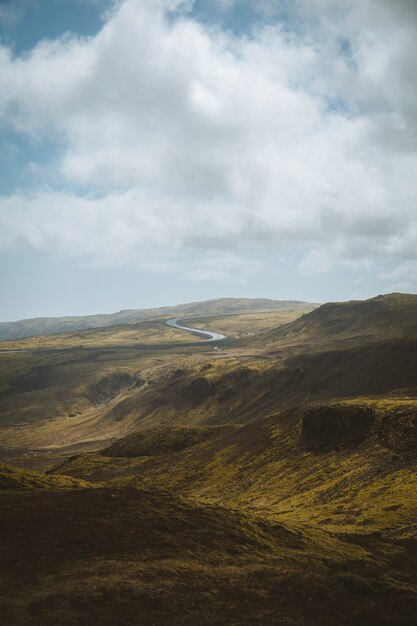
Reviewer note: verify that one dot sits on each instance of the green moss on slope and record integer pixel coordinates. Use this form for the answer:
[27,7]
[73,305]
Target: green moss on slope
[16,478]
[160,441]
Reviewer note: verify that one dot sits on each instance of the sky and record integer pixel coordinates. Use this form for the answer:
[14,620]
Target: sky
[154,152]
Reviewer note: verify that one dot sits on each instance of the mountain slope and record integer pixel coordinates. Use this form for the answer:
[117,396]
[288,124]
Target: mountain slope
[306,518]
[12,478]
[78,398]
[335,485]
[160,441]
[305,464]
[128,556]
[338,324]
[208,503]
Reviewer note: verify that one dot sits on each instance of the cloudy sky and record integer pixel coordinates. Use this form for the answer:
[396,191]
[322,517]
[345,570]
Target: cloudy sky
[163,151]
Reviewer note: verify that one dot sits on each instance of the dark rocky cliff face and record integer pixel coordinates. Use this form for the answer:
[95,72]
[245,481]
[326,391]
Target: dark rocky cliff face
[333,427]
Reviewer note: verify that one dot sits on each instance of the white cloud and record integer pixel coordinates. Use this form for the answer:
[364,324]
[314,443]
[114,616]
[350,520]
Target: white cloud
[192,141]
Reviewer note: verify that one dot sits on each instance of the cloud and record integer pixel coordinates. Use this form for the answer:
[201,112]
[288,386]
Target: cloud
[181,141]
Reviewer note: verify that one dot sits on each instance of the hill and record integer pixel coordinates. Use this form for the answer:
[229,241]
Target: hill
[304,517]
[12,478]
[80,396]
[347,323]
[349,466]
[271,480]
[160,441]
[128,556]
[52,325]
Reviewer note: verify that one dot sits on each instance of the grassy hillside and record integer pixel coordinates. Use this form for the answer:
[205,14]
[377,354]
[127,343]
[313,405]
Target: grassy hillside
[63,398]
[348,466]
[348,323]
[12,478]
[343,473]
[239,326]
[129,556]
[138,333]
[305,517]
[149,333]
[52,325]
[272,481]
[103,391]
[161,441]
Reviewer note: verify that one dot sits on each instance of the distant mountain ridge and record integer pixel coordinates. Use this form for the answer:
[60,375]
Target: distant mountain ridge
[55,325]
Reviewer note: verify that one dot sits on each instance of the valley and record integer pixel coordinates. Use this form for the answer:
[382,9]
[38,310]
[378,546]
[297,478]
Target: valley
[149,476]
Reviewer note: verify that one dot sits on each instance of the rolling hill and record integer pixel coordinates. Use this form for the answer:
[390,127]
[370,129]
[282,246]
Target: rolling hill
[52,325]
[339,324]
[270,481]
[63,398]
[305,517]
